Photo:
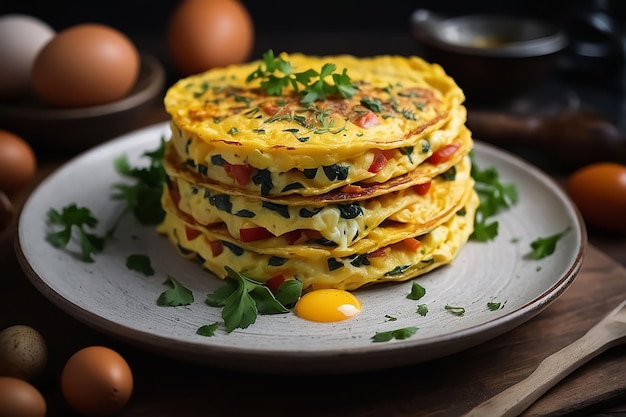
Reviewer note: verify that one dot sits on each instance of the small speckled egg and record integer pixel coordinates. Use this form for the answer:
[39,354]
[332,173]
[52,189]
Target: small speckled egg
[97,381]
[85,65]
[18,398]
[23,352]
[21,39]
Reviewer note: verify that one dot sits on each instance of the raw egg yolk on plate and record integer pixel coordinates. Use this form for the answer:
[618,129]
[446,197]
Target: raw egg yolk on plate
[327,305]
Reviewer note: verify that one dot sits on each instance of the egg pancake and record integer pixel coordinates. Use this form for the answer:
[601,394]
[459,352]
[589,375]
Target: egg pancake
[341,223]
[399,261]
[275,145]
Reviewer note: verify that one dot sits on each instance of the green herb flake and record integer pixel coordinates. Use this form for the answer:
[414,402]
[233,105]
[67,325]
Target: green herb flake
[493,306]
[74,217]
[417,292]
[545,246]
[140,263]
[457,311]
[398,334]
[422,309]
[208,330]
[178,295]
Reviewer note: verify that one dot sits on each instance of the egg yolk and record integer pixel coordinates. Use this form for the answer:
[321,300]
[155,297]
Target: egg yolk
[327,305]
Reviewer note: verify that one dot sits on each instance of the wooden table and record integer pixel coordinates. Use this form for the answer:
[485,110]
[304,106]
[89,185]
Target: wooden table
[444,387]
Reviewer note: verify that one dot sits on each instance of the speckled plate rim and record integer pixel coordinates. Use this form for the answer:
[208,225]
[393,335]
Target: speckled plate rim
[108,297]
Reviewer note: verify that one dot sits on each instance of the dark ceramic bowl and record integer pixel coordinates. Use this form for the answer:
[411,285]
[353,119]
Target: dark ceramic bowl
[491,57]
[77,129]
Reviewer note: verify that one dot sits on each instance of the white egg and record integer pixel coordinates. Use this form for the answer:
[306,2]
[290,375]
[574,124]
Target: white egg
[21,39]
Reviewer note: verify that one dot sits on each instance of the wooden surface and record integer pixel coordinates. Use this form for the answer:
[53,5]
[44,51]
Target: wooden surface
[444,387]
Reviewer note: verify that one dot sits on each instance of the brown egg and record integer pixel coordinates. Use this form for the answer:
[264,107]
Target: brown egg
[18,398]
[599,192]
[203,34]
[17,163]
[96,381]
[85,65]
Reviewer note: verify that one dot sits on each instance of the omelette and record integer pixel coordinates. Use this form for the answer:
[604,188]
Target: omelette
[337,171]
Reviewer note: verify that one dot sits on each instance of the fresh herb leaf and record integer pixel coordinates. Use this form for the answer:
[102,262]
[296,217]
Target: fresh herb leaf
[422,309]
[243,298]
[545,246]
[398,334]
[492,306]
[312,85]
[458,311]
[494,196]
[208,329]
[140,263]
[178,295]
[74,217]
[417,292]
[143,198]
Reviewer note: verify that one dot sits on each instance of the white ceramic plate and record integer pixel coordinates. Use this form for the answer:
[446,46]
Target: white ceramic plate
[122,303]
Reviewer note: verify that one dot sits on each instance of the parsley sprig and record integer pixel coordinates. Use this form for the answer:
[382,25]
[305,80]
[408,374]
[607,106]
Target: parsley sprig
[243,298]
[277,73]
[73,217]
[143,197]
[495,196]
[543,247]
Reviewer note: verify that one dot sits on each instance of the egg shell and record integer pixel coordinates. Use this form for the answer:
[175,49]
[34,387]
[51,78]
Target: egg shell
[85,65]
[18,398]
[96,381]
[204,34]
[17,163]
[21,39]
[23,352]
[599,192]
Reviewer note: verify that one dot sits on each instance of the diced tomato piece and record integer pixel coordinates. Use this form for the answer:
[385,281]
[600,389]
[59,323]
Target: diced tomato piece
[443,154]
[422,189]
[275,282]
[293,236]
[410,244]
[378,253]
[192,233]
[313,234]
[378,163]
[242,173]
[269,107]
[351,189]
[174,192]
[252,234]
[216,247]
[367,120]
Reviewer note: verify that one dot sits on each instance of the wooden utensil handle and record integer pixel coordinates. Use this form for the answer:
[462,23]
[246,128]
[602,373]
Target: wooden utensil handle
[517,398]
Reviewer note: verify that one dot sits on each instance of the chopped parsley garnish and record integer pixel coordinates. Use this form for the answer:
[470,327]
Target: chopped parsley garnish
[398,334]
[458,311]
[494,196]
[493,306]
[545,246]
[70,218]
[277,73]
[140,263]
[208,329]
[143,198]
[243,298]
[422,309]
[178,295]
[417,291]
